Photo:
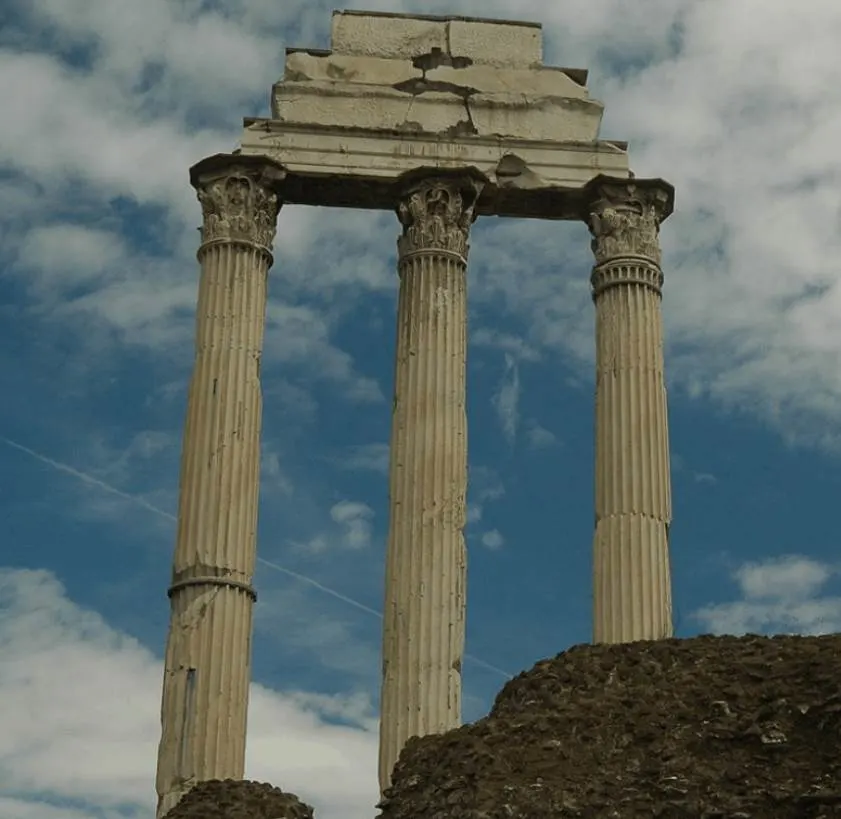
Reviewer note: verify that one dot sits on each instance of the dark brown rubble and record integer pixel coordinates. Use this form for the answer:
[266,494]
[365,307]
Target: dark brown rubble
[239,799]
[708,727]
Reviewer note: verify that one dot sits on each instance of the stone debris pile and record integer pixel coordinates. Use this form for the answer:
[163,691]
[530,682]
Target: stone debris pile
[239,799]
[744,727]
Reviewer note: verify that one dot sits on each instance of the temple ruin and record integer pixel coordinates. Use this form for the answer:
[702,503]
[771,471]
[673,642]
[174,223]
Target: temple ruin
[441,120]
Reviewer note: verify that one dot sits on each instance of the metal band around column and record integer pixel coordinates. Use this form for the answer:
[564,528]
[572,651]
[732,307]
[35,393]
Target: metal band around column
[209,580]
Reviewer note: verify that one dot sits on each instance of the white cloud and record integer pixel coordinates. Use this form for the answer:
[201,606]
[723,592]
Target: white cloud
[483,486]
[748,288]
[11,808]
[752,306]
[273,476]
[506,400]
[355,518]
[493,540]
[705,478]
[131,111]
[353,529]
[103,141]
[65,256]
[514,345]
[777,595]
[373,457]
[790,577]
[80,702]
[320,634]
[539,437]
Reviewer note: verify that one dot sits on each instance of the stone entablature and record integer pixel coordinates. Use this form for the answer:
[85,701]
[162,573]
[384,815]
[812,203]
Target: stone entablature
[397,92]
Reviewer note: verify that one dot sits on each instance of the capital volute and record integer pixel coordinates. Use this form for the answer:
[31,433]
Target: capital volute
[240,198]
[624,217]
[436,209]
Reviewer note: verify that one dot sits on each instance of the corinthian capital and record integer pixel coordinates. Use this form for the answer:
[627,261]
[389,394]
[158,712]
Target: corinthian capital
[436,211]
[239,196]
[624,217]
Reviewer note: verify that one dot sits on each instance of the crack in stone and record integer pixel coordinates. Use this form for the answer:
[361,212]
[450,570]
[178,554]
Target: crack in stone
[436,58]
[421,85]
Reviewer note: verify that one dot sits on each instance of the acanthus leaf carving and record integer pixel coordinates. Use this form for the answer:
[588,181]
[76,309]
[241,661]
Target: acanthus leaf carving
[625,221]
[240,205]
[436,214]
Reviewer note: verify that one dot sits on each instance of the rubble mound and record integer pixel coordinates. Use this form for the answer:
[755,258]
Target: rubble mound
[707,727]
[239,799]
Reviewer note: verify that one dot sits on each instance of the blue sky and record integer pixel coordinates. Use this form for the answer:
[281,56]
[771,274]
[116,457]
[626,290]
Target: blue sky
[106,104]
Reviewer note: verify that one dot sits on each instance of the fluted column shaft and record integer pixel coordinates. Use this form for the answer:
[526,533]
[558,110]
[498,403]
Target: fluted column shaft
[423,629]
[632,582]
[208,653]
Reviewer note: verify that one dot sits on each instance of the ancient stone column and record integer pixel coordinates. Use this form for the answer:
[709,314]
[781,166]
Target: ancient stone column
[632,579]
[208,652]
[423,629]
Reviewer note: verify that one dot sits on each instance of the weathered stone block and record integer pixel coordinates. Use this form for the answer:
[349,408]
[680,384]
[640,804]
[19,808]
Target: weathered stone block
[369,107]
[398,92]
[304,66]
[453,112]
[344,168]
[386,35]
[405,37]
[537,118]
[530,82]
[498,43]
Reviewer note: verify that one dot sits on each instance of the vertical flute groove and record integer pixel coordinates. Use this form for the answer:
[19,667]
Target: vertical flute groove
[208,653]
[423,624]
[631,584]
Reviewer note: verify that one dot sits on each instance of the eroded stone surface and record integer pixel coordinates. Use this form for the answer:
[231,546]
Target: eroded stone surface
[729,727]
[404,36]
[425,578]
[396,92]
[208,651]
[239,799]
[447,77]
[632,597]
[336,167]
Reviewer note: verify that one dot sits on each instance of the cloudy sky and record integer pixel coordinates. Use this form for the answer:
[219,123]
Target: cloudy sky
[105,105]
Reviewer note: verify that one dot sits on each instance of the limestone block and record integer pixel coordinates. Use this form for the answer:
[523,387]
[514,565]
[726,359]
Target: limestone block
[344,168]
[498,43]
[386,35]
[446,113]
[370,107]
[531,82]
[304,66]
[399,36]
[537,118]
